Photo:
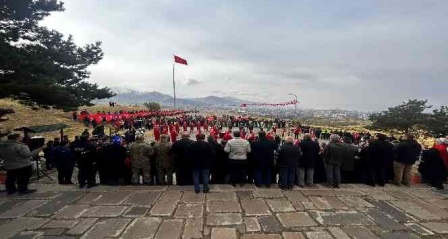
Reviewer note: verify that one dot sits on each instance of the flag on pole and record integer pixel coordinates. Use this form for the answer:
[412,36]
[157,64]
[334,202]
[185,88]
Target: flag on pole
[180,60]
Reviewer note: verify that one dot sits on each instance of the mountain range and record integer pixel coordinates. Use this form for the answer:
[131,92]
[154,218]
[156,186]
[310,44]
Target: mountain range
[128,96]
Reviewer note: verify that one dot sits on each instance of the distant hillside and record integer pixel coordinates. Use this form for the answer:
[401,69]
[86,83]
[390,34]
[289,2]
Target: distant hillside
[131,97]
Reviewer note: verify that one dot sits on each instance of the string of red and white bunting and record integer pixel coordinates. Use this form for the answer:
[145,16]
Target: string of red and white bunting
[292,102]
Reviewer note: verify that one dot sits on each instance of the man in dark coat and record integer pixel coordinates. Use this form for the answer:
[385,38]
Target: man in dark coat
[288,161]
[263,156]
[406,154]
[333,155]
[201,154]
[64,161]
[182,165]
[310,155]
[379,159]
[85,153]
[113,166]
[220,163]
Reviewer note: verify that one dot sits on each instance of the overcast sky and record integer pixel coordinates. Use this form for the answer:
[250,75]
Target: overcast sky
[361,54]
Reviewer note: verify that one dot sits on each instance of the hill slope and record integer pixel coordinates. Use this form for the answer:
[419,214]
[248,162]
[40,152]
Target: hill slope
[25,116]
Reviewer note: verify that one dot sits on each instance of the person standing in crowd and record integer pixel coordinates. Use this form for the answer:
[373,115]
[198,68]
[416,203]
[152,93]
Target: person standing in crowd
[219,165]
[85,157]
[201,154]
[113,166]
[16,157]
[406,154]
[164,160]
[442,146]
[333,155]
[262,155]
[432,166]
[182,165]
[238,149]
[348,164]
[64,162]
[310,155]
[140,154]
[379,158]
[49,155]
[288,161]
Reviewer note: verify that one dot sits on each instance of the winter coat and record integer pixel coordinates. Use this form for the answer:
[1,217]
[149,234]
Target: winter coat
[15,155]
[348,164]
[179,150]
[334,153]
[238,148]
[201,155]
[263,152]
[380,154]
[64,158]
[289,156]
[310,153]
[407,152]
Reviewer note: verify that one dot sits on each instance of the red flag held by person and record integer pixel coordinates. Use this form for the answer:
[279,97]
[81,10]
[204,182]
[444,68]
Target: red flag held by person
[180,60]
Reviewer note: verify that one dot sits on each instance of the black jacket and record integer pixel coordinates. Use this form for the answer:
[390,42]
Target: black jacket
[310,153]
[407,152]
[179,150]
[432,167]
[380,153]
[263,152]
[201,155]
[289,155]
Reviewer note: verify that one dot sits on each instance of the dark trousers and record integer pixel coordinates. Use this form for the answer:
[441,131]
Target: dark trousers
[376,175]
[199,174]
[263,175]
[65,175]
[87,174]
[183,177]
[21,176]
[238,171]
[287,176]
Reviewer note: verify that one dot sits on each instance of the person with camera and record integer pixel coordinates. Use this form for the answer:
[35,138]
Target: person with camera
[17,163]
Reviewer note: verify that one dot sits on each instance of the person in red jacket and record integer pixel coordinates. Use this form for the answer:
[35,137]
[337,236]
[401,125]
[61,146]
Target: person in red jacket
[227,136]
[156,133]
[176,126]
[191,127]
[442,148]
[198,126]
[205,126]
[173,135]
[185,126]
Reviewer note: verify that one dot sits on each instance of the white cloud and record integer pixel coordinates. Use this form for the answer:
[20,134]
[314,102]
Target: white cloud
[191,82]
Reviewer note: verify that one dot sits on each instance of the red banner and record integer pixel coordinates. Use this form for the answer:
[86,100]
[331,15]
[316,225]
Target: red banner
[292,102]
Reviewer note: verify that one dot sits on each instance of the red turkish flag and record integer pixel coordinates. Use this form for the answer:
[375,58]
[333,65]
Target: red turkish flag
[180,60]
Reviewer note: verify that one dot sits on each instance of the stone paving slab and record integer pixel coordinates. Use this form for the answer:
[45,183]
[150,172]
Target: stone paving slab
[112,227]
[104,211]
[221,196]
[189,211]
[170,229]
[223,206]
[71,211]
[142,198]
[224,219]
[296,219]
[193,228]
[13,227]
[268,193]
[280,205]
[22,208]
[166,204]
[224,233]
[82,226]
[142,228]
[255,207]
[360,233]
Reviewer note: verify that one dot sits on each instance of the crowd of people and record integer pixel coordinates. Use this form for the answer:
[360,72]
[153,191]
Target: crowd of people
[288,156]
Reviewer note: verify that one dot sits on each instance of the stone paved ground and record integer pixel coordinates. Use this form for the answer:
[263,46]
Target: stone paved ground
[354,211]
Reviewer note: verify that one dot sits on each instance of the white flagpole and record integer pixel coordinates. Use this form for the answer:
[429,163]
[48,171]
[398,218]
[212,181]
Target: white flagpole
[174,88]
